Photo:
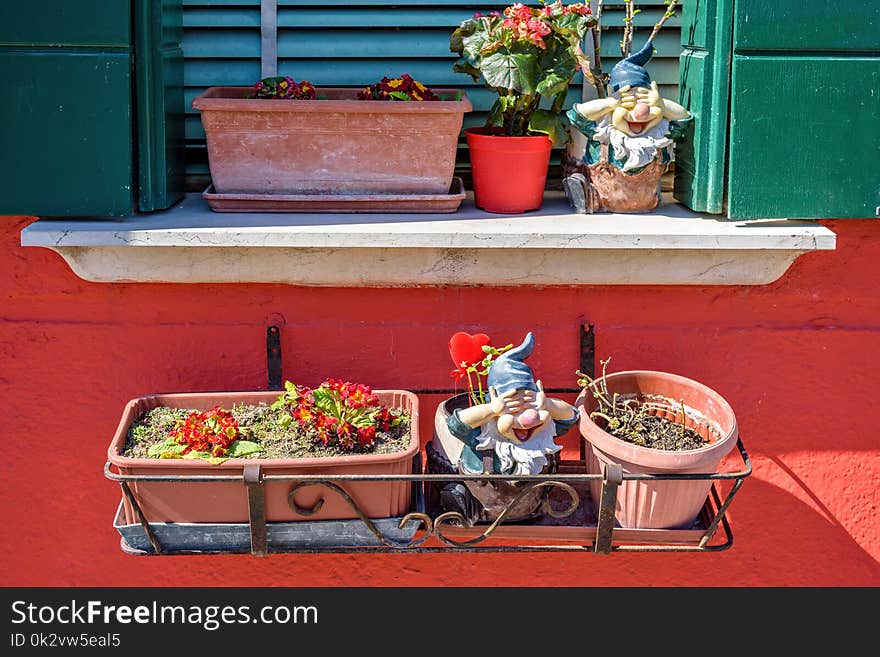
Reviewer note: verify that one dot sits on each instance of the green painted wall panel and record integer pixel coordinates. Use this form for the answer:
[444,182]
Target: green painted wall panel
[65,133]
[700,156]
[805,137]
[813,25]
[96,23]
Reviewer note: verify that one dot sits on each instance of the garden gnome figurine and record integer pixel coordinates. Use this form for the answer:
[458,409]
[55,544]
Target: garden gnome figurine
[512,433]
[628,139]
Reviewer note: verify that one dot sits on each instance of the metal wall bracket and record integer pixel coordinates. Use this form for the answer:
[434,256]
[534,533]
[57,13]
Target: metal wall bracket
[588,350]
[273,357]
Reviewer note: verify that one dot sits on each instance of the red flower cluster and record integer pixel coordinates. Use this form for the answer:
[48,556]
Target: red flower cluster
[531,25]
[284,88]
[526,24]
[207,431]
[402,88]
[341,413]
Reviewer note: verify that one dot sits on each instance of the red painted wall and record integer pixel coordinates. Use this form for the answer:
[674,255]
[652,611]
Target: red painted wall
[797,359]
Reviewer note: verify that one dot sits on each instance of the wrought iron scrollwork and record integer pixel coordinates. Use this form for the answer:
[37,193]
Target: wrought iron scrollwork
[454,516]
[423,519]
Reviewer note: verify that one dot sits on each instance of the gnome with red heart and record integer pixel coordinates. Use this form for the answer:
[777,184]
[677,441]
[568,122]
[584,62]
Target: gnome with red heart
[511,431]
[518,422]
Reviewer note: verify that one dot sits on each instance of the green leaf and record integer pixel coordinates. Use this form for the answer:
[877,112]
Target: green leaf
[399,95]
[552,83]
[206,456]
[362,420]
[474,43]
[558,67]
[576,23]
[325,401]
[511,70]
[167,449]
[550,124]
[464,30]
[467,66]
[239,448]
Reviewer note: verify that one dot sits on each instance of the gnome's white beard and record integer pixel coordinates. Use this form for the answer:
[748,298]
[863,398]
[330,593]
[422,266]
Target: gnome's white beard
[528,458]
[639,150]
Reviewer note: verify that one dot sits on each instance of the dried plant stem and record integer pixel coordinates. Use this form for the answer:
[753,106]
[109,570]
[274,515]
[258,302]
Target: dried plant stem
[598,76]
[628,29]
[670,12]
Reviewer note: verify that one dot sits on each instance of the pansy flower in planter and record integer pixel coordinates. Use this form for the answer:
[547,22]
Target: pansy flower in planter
[403,88]
[285,88]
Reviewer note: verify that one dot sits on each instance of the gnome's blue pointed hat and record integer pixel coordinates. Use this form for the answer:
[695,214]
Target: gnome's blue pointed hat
[509,372]
[631,71]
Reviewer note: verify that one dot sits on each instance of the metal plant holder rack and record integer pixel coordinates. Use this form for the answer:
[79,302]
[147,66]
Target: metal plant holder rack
[583,525]
[442,527]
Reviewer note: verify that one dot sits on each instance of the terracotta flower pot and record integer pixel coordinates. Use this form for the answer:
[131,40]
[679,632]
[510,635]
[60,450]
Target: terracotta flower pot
[510,173]
[338,145]
[660,504]
[221,502]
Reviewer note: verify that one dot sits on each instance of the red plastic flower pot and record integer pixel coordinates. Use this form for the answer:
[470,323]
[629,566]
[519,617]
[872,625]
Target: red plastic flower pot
[509,172]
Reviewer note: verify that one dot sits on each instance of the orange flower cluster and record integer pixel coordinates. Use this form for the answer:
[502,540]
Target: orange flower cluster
[207,431]
[342,414]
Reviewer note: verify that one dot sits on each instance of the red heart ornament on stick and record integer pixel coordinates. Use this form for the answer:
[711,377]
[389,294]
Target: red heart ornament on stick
[464,347]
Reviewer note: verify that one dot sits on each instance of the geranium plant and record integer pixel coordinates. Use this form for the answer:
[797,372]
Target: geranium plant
[284,88]
[404,88]
[472,356]
[526,55]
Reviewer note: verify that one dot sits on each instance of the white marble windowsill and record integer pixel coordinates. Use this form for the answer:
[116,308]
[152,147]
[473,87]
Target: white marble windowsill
[191,244]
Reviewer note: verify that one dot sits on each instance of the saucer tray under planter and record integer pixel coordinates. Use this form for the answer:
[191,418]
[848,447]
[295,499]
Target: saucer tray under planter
[355,203]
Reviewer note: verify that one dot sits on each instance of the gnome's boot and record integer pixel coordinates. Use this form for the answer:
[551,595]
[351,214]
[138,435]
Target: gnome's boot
[581,195]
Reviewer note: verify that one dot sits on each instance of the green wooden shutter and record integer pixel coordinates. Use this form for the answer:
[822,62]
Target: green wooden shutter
[805,110]
[92,117]
[700,157]
[356,42]
[65,121]
[159,103]
[787,108]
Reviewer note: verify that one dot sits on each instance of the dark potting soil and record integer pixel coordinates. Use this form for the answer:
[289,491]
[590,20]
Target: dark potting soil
[654,432]
[260,424]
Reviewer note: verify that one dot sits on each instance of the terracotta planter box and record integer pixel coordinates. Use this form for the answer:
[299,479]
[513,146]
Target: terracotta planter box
[660,504]
[227,502]
[340,145]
